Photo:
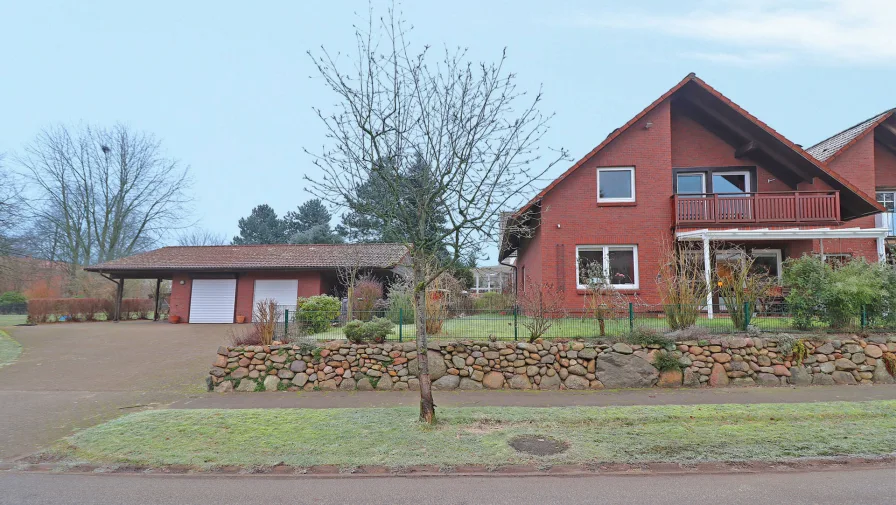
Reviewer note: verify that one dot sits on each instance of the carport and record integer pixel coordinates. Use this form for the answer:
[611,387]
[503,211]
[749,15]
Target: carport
[216,284]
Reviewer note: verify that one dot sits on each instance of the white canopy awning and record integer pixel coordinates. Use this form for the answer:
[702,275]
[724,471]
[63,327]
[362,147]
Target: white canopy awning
[783,234]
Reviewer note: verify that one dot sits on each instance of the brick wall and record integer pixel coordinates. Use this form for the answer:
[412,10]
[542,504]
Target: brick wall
[884,167]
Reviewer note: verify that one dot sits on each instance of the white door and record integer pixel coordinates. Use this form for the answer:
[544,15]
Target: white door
[212,300]
[284,292]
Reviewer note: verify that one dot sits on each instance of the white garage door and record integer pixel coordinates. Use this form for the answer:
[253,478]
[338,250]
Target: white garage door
[212,300]
[284,291]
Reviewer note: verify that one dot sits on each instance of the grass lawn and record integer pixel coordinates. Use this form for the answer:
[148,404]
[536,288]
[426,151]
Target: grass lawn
[480,326]
[392,437]
[12,320]
[9,349]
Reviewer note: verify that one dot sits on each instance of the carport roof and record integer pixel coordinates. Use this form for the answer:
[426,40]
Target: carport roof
[256,257]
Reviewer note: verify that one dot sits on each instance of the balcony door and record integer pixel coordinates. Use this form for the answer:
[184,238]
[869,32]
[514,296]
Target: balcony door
[886,220]
[731,188]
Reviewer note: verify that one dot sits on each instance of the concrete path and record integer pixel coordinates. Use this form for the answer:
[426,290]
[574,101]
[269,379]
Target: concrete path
[319,399]
[71,376]
[866,487]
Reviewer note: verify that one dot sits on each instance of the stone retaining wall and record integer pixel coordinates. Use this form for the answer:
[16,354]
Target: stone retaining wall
[736,361]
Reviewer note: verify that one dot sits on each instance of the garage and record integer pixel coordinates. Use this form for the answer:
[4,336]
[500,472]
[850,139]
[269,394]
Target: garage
[284,291]
[212,300]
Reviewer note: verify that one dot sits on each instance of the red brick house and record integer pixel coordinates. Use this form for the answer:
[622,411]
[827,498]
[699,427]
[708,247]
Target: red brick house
[866,154]
[214,284]
[692,166]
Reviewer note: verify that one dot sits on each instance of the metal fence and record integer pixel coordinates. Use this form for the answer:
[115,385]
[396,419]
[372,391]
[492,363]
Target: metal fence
[513,324]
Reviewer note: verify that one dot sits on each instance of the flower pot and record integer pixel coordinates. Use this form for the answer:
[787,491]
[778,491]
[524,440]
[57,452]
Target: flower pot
[173,319]
[240,319]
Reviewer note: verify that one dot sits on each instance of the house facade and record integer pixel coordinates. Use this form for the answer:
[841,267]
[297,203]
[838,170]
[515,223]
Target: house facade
[866,154]
[691,167]
[215,284]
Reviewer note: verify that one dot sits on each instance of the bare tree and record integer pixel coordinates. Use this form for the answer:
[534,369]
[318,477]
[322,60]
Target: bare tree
[442,136]
[108,192]
[199,236]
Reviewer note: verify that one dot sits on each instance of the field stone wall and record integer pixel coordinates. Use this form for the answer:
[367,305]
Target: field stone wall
[547,365]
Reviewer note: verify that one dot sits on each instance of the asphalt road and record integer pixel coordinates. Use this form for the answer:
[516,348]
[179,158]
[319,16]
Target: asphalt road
[865,487]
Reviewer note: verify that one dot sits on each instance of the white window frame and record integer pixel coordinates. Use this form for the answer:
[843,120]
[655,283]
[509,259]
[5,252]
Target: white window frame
[605,249]
[772,253]
[702,176]
[631,171]
[747,183]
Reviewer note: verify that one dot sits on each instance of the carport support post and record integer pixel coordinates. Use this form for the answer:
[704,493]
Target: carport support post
[155,313]
[118,296]
[706,275]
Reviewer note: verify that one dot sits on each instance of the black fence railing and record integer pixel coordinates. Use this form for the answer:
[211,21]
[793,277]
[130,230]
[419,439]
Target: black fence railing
[515,324]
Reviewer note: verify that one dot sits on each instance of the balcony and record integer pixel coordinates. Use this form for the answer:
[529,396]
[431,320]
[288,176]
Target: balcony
[769,208]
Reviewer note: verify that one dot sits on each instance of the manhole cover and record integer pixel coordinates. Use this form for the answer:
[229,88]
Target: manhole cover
[538,445]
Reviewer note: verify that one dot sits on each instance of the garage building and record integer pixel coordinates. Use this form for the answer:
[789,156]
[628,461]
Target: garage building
[214,284]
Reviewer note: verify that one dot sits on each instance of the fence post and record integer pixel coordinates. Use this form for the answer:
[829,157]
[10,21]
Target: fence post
[285,322]
[864,317]
[631,317]
[747,315]
[515,309]
[400,323]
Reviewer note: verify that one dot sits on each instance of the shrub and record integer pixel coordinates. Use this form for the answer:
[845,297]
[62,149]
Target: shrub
[242,336]
[666,362]
[641,335]
[800,352]
[786,342]
[690,333]
[837,296]
[267,314]
[13,297]
[682,285]
[375,330]
[401,304]
[367,291]
[13,308]
[741,286]
[315,314]
[541,304]
[494,300]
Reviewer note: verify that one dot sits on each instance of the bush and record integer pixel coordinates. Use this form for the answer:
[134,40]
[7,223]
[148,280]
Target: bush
[42,310]
[401,304]
[647,336]
[690,333]
[375,330]
[13,297]
[242,337]
[367,291]
[315,314]
[13,308]
[836,296]
[493,300]
[666,362]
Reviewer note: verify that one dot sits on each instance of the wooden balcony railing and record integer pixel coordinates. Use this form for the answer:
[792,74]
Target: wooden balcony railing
[783,207]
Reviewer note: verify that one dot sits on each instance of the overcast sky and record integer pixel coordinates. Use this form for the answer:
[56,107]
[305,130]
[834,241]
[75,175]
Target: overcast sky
[228,86]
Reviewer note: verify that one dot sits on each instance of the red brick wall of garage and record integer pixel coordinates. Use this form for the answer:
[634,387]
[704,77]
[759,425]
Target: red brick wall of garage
[884,167]
[310,284]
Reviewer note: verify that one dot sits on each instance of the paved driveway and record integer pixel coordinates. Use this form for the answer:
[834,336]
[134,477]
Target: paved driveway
[71,376]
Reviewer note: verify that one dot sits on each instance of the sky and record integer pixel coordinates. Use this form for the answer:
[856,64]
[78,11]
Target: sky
[229,87]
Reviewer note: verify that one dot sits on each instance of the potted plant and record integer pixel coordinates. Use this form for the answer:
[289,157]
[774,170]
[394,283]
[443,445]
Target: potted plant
[173,319]
[240,319]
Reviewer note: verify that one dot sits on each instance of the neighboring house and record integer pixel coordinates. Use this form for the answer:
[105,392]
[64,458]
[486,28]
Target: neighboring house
[866,154]
[214,284]
[692,166]
[497,278]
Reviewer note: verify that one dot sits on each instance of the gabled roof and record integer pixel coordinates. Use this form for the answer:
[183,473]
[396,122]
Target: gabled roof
[832,147]
[854,201]
[865,204]
[258,257]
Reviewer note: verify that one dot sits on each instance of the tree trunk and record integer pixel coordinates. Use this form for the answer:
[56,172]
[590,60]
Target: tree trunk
[427,407]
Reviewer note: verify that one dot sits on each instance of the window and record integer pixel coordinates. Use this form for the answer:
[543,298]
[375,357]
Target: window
[617,264]
[616,184]
[691,183]
[731,182]
[767,261]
